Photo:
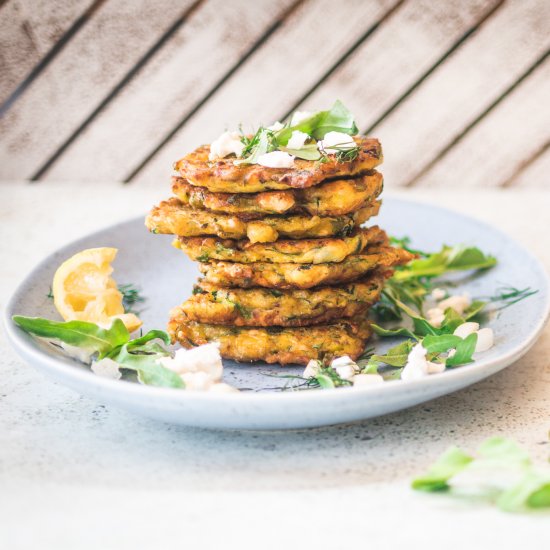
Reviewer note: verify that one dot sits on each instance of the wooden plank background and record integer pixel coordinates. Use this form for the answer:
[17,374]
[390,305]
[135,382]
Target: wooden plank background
[458,91]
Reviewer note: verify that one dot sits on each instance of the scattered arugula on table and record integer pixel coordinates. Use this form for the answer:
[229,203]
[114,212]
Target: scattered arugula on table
[337,119]
[520,486]
[139,354]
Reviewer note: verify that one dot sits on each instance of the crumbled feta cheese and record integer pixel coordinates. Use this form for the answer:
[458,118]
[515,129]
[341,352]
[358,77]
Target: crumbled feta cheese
[107,368]
[297,140]
[345,367]
[451,353]
[438,294]
[366,379]
[465,329]
[435,316]
[299,116]
[276,159]
[485,336]
[82,354]
[198,381]
[206,359]
[345,372]
[222,387]
[226,144]
[435,368]
[417,366]
[459,303]
[341,361]
[333,142]
[485,339]
[276,126]
[311,370]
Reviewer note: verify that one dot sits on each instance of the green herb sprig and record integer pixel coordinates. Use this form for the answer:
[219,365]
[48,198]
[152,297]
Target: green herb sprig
[131,297]
[337,119]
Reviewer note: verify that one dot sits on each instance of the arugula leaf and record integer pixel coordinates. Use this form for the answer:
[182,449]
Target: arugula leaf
[505,450]
[464,352]
[396,356]
[448,259]
[77,333]
[421,326]
[307,152]
[450,463]
[327,377]
[404,242]
[325,381]
[151,335]
[390,333]
[143,359]
[337,119]
[441,343]
[474,309]
[530,491]
[533,491]
[451,321]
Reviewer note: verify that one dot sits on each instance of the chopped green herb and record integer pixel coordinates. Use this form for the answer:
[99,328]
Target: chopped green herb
[130,297]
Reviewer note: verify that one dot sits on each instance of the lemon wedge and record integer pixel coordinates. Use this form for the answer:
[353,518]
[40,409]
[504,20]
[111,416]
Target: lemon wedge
[84,290]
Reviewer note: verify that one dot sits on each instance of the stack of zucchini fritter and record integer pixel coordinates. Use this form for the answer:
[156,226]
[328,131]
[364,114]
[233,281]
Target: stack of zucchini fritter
[289,273]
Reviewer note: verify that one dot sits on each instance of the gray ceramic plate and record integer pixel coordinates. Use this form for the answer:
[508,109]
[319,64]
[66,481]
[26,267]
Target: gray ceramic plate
[166,277]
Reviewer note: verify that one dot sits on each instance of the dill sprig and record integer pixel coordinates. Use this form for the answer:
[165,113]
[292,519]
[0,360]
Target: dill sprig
[344,153]
[347,155]
[510,295]
[131,296]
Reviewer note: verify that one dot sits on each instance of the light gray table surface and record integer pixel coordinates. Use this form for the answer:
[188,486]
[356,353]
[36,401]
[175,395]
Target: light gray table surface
[76,474]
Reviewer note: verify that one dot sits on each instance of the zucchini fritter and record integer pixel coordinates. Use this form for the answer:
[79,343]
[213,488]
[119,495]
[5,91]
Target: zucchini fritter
[273,344]
[290,275]
[223,176]
[173,218]
[305,251]
[332,198]
[261,307]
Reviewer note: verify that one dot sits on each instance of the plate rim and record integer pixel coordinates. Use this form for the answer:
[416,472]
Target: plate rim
[27,347]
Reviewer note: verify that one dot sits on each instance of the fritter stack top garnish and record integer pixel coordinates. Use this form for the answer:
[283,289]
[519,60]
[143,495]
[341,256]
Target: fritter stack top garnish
[276,221]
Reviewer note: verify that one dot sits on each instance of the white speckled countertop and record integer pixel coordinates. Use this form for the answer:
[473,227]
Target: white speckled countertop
[75,474]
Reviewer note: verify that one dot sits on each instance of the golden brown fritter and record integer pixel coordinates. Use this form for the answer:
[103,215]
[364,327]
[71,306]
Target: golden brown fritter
[223,176]
[290,275]
[332,198]
[261,307]
[173,218]
[305,251]
[274,344]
